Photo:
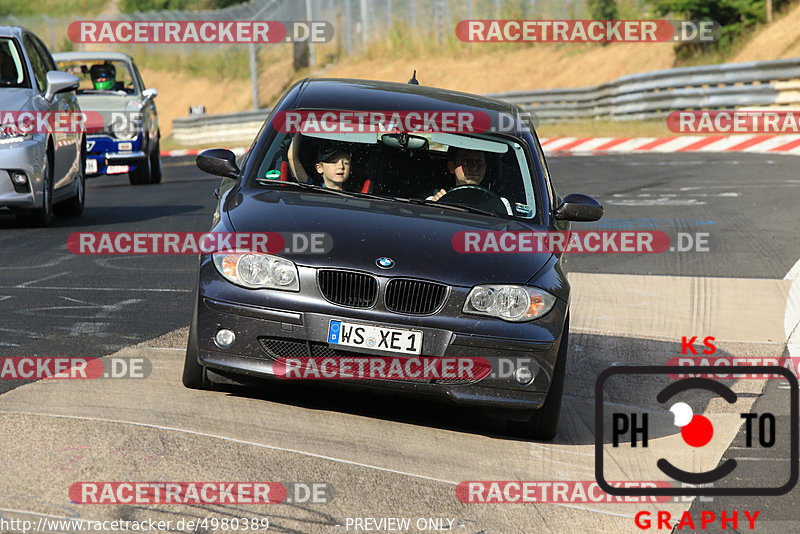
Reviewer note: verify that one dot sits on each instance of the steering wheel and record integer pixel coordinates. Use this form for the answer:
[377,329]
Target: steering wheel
[476,196]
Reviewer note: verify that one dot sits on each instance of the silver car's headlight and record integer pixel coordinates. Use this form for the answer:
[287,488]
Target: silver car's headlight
[509,302]
[258,271]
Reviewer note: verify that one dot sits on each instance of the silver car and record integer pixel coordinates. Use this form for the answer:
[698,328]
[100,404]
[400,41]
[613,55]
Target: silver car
[126,136]
[41,165]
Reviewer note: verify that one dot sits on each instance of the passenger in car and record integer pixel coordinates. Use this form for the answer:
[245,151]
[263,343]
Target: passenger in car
[332,164]
[8,72]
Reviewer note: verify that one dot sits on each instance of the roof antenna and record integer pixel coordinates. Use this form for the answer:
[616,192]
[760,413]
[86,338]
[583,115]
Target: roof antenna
[413,80]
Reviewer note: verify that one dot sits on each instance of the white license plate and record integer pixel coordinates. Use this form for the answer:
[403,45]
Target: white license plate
[91,166]
[375,337]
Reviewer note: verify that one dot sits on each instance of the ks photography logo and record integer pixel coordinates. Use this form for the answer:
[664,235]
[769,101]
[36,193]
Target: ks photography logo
[646,436]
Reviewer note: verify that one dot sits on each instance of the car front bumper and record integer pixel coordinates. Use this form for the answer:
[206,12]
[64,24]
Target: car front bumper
[300,322]
[106,152]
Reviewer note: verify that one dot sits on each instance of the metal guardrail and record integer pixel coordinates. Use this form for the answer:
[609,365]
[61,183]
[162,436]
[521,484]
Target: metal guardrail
[228,128]
[656,94]
[638,96]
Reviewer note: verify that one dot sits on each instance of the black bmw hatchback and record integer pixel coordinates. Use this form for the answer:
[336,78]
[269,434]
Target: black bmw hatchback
[402,213]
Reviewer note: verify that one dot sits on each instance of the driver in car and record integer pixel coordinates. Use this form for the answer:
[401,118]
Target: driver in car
[468,168]
[103,76]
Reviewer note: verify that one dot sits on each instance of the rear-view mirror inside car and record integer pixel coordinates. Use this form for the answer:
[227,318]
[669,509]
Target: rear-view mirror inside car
[404,141]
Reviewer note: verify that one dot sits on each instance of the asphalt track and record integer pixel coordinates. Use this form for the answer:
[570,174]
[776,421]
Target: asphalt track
[386,456]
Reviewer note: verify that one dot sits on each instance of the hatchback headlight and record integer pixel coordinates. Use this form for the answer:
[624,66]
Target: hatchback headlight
[509,302]
[258,271]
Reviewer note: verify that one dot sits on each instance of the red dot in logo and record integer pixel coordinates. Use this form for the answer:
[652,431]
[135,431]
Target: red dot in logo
[698,432]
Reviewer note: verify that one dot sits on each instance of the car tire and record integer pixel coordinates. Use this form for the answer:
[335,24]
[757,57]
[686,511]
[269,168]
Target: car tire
[194,374]
[141,174]
[155,164]
[43,215]
[543,424]
[73,207]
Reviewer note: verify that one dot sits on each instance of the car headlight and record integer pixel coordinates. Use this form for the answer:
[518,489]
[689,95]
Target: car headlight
[124,130]
[258,271]
[509,302]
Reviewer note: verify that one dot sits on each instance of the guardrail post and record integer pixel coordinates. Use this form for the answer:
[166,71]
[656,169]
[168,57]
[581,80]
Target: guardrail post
[364,16]
[312,59]
[253,74]
[348,44]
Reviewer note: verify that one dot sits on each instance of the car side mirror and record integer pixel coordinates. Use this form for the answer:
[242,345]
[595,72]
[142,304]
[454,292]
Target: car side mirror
[219,162]
[150,93]
[578,208]
[60,82]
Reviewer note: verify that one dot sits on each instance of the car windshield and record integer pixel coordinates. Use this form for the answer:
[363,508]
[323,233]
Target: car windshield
[101,76]
[12,71]
[484,173]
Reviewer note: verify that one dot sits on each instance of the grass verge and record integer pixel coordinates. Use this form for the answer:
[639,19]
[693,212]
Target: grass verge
[606,128]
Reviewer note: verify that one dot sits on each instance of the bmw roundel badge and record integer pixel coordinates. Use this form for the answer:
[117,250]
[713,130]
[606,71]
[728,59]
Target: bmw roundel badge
[385,263]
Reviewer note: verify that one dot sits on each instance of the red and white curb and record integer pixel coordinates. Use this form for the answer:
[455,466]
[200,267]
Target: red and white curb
[760,144]
[763,144]
[193,152]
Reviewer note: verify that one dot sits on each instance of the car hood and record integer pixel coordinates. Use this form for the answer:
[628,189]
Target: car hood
[15,99]
[107,105]
[417,238]
[106,102]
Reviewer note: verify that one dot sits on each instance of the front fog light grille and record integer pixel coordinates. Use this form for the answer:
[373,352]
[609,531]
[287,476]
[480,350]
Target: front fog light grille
[20,181]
